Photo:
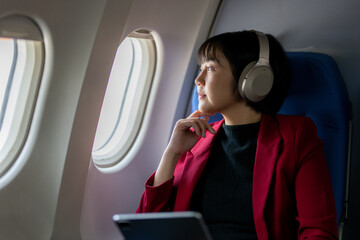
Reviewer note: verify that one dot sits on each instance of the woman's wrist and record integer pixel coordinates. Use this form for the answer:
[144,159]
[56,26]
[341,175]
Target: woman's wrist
[170,154]
[166,167]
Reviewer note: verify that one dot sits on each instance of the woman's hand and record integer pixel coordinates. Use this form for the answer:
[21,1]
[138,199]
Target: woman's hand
[184,137]
[187,132]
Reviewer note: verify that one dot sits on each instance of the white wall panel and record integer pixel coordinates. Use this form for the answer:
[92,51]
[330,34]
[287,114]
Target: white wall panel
[29,191]
[178,28]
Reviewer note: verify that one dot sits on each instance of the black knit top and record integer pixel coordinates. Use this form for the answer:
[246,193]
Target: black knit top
[224,192]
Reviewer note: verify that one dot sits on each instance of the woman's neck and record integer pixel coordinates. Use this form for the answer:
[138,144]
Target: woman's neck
[240,114]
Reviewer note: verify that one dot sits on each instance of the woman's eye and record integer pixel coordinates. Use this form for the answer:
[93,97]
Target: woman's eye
[209,69]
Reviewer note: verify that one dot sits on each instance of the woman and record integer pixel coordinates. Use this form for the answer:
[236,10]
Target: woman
[255,174]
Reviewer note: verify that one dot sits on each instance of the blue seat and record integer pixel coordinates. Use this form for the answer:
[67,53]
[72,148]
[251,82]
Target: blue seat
[318,91]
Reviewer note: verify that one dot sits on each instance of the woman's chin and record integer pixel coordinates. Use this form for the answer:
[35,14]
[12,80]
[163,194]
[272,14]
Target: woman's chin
[204,109]
[201,108]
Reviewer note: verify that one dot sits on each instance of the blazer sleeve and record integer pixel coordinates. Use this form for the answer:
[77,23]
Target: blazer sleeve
[156,199]
[313,189]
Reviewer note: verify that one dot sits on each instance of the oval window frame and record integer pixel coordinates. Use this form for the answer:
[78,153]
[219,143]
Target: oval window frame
[111,155]
[21,102]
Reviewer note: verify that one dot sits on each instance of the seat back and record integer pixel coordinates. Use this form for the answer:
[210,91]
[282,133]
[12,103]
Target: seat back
[319,92]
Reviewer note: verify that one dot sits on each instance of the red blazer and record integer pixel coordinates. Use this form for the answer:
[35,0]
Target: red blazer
[292,193]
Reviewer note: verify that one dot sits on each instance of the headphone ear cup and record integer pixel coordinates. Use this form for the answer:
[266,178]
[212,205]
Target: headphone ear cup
[257,82]
[242,79]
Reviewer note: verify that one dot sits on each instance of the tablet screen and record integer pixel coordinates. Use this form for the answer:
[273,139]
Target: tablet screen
[162,226]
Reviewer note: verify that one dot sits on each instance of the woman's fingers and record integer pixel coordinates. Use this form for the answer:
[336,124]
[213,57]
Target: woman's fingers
[187,132]
[205,120]
[201,125]
[198,129]
[197,113]
[193,123]
[197,121]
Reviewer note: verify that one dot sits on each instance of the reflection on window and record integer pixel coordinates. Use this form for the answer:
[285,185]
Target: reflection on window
[21,62]
[125,98]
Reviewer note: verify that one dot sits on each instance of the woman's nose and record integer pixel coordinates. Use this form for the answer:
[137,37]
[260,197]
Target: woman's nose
[199,81]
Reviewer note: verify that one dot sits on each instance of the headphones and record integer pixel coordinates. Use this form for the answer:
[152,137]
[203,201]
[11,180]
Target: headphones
[256,80]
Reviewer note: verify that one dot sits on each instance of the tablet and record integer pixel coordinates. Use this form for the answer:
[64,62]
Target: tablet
[162,226]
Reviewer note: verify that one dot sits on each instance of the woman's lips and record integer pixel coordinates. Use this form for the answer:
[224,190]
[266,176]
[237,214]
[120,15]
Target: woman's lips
[201,95]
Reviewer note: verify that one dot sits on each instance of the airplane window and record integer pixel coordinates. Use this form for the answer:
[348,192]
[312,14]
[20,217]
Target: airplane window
[125,98]
[21,62]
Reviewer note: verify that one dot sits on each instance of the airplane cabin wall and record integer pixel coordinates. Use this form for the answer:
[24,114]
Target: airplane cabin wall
[329,27]
[109,36]
[178,27]
[29,191]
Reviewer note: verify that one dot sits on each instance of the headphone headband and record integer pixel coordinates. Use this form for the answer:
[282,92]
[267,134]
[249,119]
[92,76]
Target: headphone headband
[264,46]
[257,78]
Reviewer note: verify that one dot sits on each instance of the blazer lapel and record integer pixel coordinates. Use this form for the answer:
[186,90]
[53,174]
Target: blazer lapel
[193,168]
[268,149]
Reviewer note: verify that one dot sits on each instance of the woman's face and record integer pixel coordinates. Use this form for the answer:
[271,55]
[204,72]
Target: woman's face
[216,86]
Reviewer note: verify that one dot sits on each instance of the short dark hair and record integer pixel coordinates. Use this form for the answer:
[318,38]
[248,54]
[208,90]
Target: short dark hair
[241,48]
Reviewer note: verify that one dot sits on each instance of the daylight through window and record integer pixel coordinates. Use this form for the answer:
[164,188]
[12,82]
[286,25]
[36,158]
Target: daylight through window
[21,62]
[125,98]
